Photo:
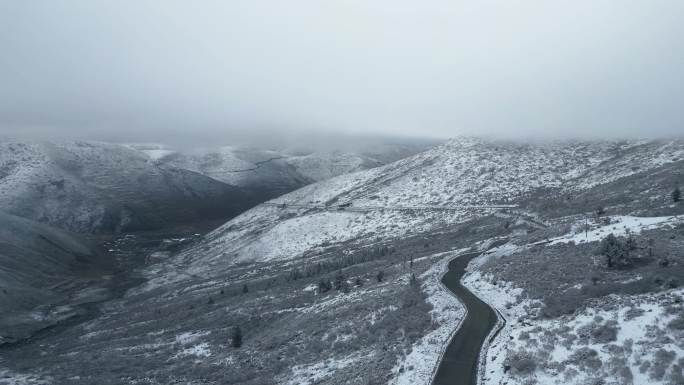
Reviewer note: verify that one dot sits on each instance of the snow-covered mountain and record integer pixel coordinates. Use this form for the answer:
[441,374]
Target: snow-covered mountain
[339,281]
[273,172]
[100,187]
[104,187]
[458,174]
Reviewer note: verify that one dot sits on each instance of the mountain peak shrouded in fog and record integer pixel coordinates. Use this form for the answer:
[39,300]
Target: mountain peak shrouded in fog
[145,70]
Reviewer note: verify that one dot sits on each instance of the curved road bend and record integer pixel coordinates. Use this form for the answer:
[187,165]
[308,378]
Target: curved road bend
[459,365]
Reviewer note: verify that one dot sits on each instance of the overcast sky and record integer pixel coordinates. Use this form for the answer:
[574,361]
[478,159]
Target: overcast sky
[150,70]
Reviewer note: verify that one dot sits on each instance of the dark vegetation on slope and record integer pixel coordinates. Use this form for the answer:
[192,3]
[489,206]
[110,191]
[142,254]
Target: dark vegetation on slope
[102,188]
[647,193]
[38,262]
[566,276]
[282,325]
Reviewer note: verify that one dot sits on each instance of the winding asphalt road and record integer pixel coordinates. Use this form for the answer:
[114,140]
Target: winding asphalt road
[459,365]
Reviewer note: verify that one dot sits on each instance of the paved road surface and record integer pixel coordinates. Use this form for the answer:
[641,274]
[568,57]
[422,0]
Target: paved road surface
[459,363]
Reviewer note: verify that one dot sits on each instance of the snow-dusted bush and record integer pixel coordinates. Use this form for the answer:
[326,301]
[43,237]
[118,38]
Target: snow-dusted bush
[585,358]
[521,363]
[677,323]
[662,361]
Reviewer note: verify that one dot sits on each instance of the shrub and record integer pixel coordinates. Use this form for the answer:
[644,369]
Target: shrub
[380,276]
[676,195]
[633,312]
[600,211]
[236,337]
[521,363]
[324,286]
[295,274]
[625,374]
[340,281]
[677,323]
[663,359]
[677,373]
[605,333]
[585,357]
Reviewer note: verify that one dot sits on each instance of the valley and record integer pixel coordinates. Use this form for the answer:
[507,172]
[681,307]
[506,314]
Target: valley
[343,280]
[341,192]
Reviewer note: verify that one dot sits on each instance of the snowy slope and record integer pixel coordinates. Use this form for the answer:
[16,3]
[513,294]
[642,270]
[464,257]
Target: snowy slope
[266,270]
[100,187]
[34,259]
[273,172]
[465,171]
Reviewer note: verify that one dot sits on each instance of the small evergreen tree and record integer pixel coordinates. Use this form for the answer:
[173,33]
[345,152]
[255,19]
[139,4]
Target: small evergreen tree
[380,276]
[600,211]
[324,286]
[651,242]
[340,280]
[236,337]
[615,251]
[676,195]
[211,301]
[245,289]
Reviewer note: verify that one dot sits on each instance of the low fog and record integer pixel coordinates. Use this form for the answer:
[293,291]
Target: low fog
[267,70]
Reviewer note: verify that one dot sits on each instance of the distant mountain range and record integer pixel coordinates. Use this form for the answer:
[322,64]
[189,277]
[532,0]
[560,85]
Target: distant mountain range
[273,172]
[104,188]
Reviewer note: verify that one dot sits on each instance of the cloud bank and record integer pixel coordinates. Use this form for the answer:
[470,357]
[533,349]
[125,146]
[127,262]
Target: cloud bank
[150,70]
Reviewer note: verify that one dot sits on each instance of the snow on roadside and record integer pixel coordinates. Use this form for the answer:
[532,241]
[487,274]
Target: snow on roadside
[620,225]
[511,306]
[617,340]
[447,312]
[505,298]
[557,346]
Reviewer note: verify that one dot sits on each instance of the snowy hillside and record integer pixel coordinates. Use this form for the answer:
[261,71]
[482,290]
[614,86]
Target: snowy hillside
[339,281]
[35,259]
[99,187]
[273,172]
[460,173]
[261,171]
